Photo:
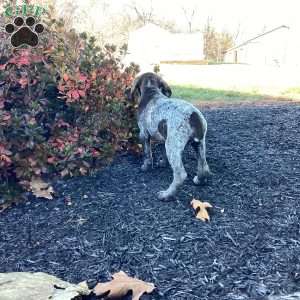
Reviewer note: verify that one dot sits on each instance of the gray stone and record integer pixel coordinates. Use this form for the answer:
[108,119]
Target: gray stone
[38,286]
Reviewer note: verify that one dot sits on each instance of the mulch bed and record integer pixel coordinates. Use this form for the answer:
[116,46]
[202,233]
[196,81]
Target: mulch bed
[250,249]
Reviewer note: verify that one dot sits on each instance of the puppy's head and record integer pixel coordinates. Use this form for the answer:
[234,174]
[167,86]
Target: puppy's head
[147,80]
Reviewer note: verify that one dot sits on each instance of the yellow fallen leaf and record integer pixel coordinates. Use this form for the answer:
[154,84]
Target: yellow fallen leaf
[83,171]
[201,209]
[64,172]
[121,284]
[4,206]
[41,189]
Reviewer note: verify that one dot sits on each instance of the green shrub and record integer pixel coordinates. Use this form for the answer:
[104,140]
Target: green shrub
[62,109]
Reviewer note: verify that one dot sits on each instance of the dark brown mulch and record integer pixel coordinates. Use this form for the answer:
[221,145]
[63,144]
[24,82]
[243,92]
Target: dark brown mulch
[250,249]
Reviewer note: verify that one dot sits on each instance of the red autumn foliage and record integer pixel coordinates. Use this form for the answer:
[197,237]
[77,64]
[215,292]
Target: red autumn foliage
[62,109]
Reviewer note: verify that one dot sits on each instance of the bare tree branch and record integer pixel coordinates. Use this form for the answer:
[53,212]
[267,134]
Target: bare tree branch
[144,15]
[189,15]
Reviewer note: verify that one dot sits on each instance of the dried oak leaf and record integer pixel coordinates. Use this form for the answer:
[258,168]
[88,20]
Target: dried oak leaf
[121,284]
[41,189]
[201,209]
[3,207]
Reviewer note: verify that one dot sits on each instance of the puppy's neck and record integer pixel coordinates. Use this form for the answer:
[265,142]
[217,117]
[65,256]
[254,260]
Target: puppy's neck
[148,94]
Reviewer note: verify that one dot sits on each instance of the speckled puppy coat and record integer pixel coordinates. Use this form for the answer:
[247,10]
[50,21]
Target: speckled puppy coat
[172,121]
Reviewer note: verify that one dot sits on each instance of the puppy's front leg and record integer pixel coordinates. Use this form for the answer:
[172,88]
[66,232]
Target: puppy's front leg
[148,160]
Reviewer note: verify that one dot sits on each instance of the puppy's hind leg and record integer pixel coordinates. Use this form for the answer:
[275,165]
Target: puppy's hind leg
[174,153]
[202,167]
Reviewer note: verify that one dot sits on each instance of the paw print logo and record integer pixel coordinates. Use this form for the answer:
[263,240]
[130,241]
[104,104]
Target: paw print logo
[24,32]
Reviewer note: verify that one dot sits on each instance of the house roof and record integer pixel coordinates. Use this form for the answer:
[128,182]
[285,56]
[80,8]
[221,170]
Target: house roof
[257,37]
[150,28]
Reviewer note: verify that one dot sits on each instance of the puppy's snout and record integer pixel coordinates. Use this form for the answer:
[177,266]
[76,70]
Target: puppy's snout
[149,83]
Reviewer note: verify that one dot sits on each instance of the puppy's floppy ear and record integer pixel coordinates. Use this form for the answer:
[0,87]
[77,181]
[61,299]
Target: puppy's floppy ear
[130,92]
[166,90]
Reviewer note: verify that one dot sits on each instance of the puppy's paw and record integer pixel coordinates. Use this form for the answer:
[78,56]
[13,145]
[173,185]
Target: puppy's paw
[196,180]
[146,165]
[162,163]
[164,196]
[202,180]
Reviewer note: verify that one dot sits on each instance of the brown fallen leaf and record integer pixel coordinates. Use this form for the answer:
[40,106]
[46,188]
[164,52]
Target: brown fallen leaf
[121,284]
[41,189]
[4,206]
[201,209]
[64,172]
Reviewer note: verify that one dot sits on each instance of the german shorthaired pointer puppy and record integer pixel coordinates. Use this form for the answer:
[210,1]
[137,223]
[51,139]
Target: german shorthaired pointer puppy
[172,121]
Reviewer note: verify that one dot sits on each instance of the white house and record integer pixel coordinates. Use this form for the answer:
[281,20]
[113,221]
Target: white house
[269,48]
[151,44]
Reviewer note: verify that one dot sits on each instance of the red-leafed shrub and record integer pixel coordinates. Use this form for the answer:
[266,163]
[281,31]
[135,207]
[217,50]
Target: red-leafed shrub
[62,109]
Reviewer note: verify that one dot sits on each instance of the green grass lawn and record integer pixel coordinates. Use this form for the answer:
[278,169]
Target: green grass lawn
[192,93]
[293,93]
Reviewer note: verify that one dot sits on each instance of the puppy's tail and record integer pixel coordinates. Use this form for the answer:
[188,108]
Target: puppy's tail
[198,125]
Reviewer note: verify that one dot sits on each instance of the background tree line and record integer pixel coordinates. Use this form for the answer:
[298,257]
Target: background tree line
[114,26]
